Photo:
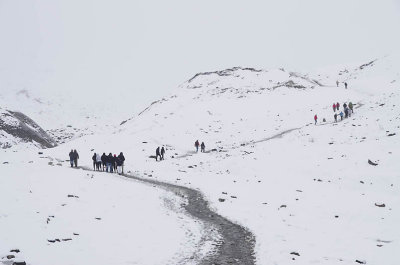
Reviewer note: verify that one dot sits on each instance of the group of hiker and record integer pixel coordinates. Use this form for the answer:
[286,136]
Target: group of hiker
[160,153]
[202,146]
[348,109]
[73,158]
[109,163]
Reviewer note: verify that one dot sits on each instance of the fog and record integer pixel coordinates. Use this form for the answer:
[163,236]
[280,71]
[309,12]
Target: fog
[143,49]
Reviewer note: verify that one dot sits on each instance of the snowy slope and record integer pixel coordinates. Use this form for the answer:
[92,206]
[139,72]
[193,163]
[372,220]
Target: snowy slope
[307,192]
[300,188]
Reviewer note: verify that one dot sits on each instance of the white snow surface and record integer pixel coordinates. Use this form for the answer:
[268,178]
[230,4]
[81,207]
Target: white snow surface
[297,186]
[103,218]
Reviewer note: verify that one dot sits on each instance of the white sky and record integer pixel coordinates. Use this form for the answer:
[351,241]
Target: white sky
[143,49]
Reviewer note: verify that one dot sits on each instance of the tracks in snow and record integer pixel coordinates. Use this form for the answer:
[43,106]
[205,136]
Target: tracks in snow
[236,245]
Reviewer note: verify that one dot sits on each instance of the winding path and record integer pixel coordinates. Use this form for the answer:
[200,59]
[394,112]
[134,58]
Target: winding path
[236,245]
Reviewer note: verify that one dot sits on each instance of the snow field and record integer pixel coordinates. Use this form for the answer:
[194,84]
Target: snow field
[137,223]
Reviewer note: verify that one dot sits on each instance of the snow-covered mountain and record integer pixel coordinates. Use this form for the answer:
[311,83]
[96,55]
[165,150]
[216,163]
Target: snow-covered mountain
[311,194]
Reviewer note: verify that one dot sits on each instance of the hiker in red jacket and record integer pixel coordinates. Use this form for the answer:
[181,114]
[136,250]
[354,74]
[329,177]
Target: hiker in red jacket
[315,119]
[334,107]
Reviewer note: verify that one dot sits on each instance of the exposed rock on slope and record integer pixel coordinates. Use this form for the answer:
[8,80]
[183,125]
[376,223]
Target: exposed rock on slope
[16,127]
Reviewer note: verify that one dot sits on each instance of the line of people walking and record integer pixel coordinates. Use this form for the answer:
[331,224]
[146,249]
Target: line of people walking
[73,158]
[160,153]
[337,84]
[109,163]
[202,146]
[347,109]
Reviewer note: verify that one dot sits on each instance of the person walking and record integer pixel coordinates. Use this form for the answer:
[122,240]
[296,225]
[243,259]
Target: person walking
[104,161]
[341,115]
[121,159]
[337,106]
[334,107]
[98,162]
[203,147]
[158,153]
[109,163]
[196,144]
[315,119]
[337,83]
[119,163]
[115,163]
[345,85]
[351,107]
[71,158]
[335,116]
[76,157]
[94,161]
[162,153]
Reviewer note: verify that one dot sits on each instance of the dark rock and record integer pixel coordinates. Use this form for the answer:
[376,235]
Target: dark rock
[98,218]
[380,205]
[283,206]
[15,250]
[66,239]
[294,253]
[5,163]
[10,256]
[360,261]
[372,163]
[221,200]
[391,134]
[19,263]
[233,197]
[40,153]
[224,192]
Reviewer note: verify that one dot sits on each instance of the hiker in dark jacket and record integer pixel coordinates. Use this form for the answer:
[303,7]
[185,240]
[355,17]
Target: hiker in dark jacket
[121,159]
[104,160]
[119,163]
[335,116]
[346,112]
[196,144]
[71,158]
[345,85]
[158,153]
[94,161]
[76,157]
[337,106]
[203,147]
[109,163]
[162,153]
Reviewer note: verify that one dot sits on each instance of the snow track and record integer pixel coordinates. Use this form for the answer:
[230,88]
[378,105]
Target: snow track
[236,244]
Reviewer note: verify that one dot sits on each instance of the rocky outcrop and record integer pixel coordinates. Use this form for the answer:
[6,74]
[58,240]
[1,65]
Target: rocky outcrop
[16,127]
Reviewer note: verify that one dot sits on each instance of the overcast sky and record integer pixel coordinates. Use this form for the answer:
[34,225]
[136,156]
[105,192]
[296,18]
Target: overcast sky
[143,49]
